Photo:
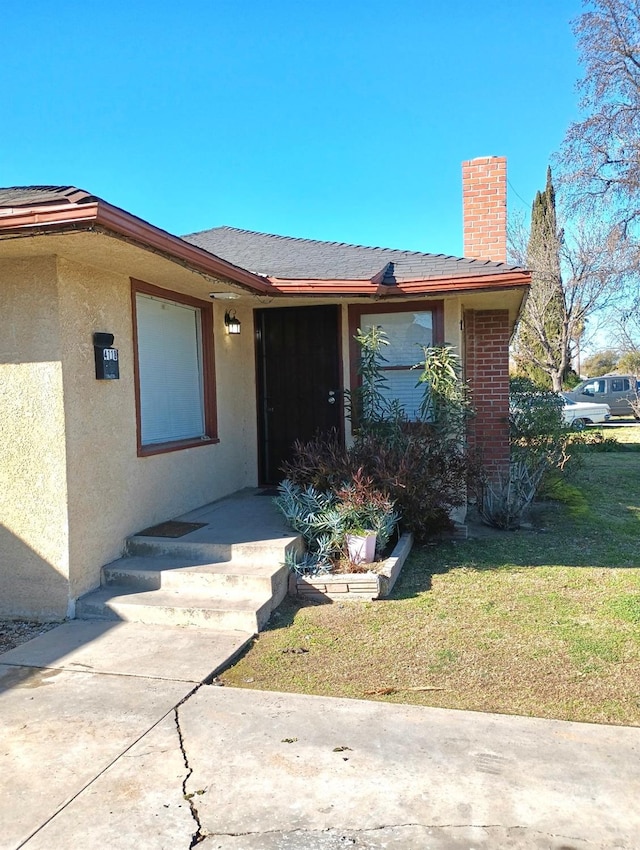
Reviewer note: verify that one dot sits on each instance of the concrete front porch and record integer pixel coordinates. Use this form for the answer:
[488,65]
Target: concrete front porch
[228,574]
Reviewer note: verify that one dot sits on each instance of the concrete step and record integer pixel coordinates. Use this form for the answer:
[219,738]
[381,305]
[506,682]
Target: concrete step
[176,608]
[209,550]
[227,574]
[235,578]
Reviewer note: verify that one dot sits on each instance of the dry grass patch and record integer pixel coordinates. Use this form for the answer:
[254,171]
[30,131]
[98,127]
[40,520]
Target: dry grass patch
[623,433]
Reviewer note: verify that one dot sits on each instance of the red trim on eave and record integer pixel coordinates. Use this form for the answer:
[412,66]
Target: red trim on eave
[19,219]
[116,219]
[123,223]
[434,286]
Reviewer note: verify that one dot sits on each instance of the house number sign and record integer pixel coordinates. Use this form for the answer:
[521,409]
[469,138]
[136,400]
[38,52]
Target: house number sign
[106,357]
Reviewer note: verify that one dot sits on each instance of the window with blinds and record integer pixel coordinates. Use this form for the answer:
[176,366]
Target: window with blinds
[174,398]
[407,334]
[409,326]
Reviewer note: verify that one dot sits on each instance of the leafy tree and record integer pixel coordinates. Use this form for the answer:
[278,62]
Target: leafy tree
[600,363]
[629,363]
[601,152]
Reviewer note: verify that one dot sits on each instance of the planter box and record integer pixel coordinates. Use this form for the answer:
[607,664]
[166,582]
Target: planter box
[363,586]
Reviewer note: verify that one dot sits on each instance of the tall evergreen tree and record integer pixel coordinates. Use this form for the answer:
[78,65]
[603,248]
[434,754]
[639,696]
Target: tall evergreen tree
[542,349]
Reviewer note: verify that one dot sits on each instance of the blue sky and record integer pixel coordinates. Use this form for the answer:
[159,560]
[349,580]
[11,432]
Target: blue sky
[331,120]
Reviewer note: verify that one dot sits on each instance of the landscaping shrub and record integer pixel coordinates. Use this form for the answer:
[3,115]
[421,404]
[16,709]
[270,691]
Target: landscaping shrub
[421,467]
[420,472]
[537,433]
[363,507]
[308,511]
[506,497]
[539,445]
[322,462]
[325,519]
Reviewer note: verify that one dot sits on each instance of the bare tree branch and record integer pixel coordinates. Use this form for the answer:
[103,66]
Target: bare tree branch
[601,153]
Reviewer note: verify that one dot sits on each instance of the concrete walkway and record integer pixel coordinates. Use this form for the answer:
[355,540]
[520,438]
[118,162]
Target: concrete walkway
[109,741]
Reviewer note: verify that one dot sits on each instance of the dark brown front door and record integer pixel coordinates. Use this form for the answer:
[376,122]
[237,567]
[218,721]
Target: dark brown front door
[298,380]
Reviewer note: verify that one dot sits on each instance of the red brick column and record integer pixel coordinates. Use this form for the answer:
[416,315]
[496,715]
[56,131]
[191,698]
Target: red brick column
[486,364]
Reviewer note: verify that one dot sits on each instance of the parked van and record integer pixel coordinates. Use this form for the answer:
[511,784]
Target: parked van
[615,390]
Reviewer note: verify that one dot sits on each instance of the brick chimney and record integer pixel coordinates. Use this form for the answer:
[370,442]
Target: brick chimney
[484,201]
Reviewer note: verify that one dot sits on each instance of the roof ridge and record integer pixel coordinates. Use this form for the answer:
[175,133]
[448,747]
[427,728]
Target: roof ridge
[68,193]
[404,251]
[39,186]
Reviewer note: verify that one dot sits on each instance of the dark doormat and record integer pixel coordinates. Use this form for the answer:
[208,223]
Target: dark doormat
[269,491]
[173,528]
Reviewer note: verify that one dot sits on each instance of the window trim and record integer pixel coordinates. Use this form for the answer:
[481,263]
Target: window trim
[356,311]
[625,385]
[208,369]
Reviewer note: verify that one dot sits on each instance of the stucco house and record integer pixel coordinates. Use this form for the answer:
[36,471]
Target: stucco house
[96,448]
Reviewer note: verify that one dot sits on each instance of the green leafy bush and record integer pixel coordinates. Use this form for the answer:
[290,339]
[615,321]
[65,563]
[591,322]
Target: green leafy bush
[537,433]
[422,467]
[539,444]
[325,518]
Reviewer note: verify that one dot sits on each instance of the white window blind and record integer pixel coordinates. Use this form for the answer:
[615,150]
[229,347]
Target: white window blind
[170,370]
[407,334]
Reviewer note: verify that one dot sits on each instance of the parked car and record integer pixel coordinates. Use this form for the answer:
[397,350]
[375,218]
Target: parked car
[615,390]
[577,414]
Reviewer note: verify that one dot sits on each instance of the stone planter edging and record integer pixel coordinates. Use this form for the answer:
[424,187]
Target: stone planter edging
[363,586]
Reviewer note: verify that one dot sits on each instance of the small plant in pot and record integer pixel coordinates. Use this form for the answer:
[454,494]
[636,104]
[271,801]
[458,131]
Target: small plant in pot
[368,518]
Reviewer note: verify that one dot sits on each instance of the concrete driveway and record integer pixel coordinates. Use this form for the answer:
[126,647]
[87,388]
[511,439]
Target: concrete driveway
[98,753]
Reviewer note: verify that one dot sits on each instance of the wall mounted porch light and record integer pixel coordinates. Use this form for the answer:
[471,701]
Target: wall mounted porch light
[232,324]
[224,296]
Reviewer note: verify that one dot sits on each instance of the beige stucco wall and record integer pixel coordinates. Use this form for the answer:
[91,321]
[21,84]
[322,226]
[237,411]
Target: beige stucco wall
[72,487]
[452,317]
[111,491]
[34,562]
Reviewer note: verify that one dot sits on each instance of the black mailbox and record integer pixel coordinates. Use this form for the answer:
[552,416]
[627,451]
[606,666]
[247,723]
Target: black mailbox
[107,367]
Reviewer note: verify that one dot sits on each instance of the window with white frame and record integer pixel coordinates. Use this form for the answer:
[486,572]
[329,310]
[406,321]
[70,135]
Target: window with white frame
[174,377]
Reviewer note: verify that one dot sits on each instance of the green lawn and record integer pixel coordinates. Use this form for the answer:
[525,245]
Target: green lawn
[544,622]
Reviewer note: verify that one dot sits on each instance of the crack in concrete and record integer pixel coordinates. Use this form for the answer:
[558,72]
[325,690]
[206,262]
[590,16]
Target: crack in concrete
[198,835]
[323,830]
[124,754]
[345,832]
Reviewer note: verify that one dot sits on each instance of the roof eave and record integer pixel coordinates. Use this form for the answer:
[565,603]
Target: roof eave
[36,220]
[431,286]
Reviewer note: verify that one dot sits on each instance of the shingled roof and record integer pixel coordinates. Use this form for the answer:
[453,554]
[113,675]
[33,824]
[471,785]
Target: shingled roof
[289,258]
[27,196]
[261,263]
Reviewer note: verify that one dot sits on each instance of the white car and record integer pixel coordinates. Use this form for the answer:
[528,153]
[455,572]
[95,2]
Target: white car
[577,414]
